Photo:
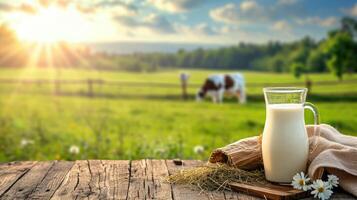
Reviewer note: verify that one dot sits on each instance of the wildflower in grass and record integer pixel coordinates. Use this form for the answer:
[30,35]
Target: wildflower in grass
[300,182]
[199,149]
[73,150]
[25,142]
[321,189]
[332,180]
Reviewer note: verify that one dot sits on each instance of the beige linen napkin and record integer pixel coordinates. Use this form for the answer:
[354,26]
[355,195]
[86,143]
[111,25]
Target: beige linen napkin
[332,152]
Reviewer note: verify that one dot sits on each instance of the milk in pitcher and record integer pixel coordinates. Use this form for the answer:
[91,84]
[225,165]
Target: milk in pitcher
[285,142]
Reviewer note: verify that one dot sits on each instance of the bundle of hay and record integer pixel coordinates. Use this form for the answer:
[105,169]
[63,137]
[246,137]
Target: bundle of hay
[216,177]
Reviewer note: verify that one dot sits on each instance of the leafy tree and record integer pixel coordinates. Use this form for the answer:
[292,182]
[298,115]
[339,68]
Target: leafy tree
[298,69]
[349,25]
[341,51]
[316,62]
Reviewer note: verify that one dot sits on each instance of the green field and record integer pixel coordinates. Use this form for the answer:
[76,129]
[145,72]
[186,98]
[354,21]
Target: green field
[131,124]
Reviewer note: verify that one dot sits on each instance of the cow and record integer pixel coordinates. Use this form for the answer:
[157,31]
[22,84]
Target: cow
[218,84]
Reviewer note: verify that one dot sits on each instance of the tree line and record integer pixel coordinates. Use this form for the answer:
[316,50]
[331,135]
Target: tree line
[336,53]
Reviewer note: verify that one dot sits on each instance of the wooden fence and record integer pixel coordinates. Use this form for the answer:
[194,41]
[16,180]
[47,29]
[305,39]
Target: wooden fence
[92,82]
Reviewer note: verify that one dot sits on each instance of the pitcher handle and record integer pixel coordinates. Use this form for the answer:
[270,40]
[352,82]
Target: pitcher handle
[313,108]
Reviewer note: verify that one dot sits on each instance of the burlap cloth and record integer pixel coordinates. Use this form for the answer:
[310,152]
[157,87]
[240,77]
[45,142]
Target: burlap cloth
[332,152]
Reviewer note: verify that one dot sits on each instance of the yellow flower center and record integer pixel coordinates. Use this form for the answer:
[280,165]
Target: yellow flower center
[302,182]
[321,189]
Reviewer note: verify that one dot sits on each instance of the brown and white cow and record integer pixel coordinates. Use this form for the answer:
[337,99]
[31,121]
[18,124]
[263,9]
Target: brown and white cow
[219,84]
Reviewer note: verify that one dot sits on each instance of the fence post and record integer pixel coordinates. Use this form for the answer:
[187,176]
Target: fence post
[184,79]
[308,85]
[90,87]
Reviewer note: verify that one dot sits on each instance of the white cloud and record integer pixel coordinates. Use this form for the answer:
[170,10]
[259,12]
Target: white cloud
[281,25]
[232,13]
[119,7]
[352,11]
[199,29]
[175,6]
[159,23]
[153,22]
[323,22]
[228,29]
[248,5]
[251,11]
[227,13]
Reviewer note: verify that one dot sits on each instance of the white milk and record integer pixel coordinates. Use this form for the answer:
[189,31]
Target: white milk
[285,143]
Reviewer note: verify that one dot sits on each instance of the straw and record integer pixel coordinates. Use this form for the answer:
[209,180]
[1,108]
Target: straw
[216,177]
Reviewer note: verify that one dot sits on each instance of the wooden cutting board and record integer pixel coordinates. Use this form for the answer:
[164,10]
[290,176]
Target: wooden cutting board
[269,191]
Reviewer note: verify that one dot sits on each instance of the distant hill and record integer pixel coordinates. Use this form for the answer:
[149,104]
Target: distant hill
[147,47]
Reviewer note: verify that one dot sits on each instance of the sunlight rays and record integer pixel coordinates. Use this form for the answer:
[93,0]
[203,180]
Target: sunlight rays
[10,54]
[52,24]
[53,56]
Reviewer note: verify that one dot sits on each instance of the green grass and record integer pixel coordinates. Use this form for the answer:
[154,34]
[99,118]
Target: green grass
[141,127]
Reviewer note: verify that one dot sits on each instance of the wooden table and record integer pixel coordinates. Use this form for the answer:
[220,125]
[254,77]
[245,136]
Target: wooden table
[102,179]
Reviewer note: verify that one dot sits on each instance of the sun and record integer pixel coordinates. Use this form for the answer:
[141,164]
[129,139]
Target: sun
[52,24]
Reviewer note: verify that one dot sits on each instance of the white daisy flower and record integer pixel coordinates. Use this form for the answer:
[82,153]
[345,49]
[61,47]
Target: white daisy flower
[73,149]
[332,180]
[25,142]
[300,182]
[321,189]
[199,149]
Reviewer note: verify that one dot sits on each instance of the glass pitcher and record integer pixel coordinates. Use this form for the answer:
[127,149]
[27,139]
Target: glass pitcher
[285,144]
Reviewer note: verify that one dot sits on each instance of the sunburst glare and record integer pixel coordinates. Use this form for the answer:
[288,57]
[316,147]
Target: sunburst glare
[52,24]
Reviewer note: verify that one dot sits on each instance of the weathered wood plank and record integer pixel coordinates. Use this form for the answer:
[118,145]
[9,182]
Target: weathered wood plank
[147,180]
[24,186]
[137,182]
[52,181]
[95,179]
[155,175]
[76,183]
[11,172]
[337,195]
[181,192]
[100,179]
[238,196]
[185,192]
[116,178]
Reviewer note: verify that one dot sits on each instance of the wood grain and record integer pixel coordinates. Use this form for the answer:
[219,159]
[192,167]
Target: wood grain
[11,172]
[147,180]
[76,183]
[107,179]
[137,182]
[270,191]
[27,183]
[52,181]
[156,174]
[116,178]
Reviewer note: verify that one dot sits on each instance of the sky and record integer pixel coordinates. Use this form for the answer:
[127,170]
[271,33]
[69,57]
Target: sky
[189,21]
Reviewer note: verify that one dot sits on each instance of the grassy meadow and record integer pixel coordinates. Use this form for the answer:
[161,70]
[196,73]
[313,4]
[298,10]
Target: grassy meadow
[143,122]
